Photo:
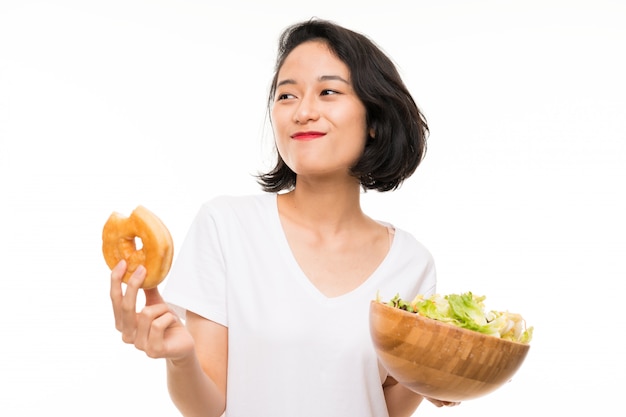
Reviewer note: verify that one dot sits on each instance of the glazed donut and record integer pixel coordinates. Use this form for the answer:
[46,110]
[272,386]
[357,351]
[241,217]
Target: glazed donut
[156,253]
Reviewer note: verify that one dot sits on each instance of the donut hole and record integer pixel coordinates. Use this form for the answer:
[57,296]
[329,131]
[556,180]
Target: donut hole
[138,243]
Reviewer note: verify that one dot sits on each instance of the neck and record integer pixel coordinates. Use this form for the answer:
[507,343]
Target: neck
[333,205]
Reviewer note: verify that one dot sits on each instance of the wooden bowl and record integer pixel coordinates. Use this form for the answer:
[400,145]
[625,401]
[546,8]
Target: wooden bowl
[440,360]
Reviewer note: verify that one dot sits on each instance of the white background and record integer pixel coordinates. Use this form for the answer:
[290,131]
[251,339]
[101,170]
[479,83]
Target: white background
[107,105]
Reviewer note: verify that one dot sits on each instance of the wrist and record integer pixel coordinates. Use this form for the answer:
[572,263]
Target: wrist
[182,362]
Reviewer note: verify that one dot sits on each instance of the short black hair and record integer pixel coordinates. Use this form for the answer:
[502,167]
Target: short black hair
[400,128]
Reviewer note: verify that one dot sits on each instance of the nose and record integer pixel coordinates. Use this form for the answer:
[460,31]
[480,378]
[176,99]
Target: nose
[307,110]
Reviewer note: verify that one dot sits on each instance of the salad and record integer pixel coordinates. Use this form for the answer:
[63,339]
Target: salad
[467,311]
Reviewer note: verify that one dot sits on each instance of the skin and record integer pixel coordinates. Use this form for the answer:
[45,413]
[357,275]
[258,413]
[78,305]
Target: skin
[335,243]
[320,131]
[195,354]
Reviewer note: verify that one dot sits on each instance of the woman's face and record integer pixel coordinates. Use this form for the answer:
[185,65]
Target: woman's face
[319,122]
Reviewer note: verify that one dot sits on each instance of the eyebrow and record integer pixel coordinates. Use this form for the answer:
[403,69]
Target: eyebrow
[321,78]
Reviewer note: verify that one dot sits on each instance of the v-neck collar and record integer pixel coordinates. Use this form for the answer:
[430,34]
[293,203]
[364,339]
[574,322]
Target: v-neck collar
[287,255]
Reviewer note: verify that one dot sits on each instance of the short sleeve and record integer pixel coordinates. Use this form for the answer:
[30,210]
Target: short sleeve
[197,280]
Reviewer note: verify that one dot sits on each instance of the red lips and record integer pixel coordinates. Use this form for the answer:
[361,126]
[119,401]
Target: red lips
[307,135]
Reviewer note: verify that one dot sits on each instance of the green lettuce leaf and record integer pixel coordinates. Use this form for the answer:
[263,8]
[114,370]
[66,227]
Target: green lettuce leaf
[467,311]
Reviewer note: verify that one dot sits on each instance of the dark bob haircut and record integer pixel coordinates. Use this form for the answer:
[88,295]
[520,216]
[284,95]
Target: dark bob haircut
[400,129]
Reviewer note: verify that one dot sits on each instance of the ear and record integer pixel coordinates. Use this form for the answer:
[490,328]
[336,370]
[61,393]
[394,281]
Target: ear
[372,132]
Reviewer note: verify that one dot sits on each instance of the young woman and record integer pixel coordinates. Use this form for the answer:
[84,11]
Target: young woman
[266,307]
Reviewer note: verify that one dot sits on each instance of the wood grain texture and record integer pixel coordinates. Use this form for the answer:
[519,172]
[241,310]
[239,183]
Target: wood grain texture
[440,360]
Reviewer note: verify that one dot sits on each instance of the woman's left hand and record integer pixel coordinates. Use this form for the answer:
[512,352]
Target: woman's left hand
[440,403]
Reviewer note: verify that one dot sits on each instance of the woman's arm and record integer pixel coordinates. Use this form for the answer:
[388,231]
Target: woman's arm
[401,401]
[195,353]
[197,384]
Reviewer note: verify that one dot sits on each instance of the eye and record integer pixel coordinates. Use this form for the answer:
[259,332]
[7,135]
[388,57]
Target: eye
[329,92]
[284,96]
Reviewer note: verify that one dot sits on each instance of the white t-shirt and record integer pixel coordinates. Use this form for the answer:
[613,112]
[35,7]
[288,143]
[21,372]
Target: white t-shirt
[292,351]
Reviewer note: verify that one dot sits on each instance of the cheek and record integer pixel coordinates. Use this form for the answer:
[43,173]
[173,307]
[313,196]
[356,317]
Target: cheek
[278,132]
[277,119]
[359,130]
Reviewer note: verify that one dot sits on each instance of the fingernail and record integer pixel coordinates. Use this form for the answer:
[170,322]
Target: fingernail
[120,265]
[139,271]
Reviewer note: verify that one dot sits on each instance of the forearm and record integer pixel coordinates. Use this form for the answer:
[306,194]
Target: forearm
[401,401]
[192,391]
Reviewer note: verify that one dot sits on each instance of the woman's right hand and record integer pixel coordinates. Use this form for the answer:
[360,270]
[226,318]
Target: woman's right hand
[155,329]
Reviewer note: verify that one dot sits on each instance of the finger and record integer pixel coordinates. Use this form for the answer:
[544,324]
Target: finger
[129,305]
[117,273]
[440,403]
[153,297]
[157,339]
[145,323]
